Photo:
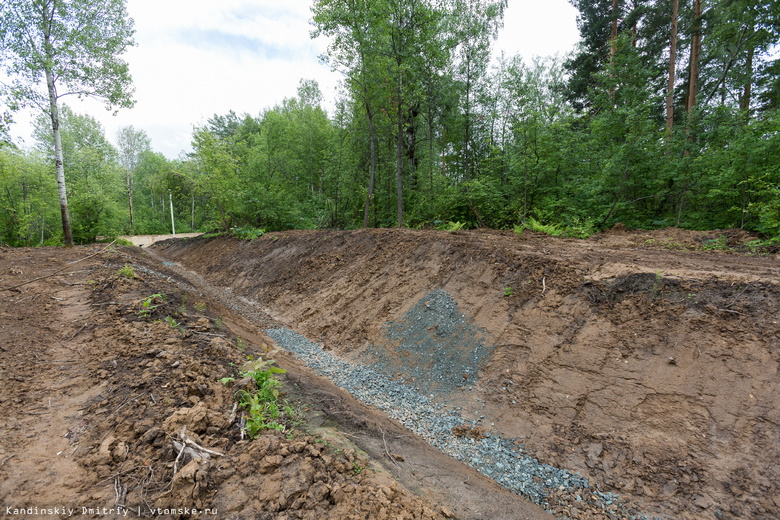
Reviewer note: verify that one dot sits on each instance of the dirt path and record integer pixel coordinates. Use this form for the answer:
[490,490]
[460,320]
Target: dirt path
[647,362]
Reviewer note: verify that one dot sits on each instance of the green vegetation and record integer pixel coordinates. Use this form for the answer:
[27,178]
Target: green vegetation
[264,410]
[508,292]
[247,232]
[427,134]
[150,303]
[452,227]
[127,271]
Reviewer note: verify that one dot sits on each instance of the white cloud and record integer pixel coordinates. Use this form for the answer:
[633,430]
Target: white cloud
[198,58]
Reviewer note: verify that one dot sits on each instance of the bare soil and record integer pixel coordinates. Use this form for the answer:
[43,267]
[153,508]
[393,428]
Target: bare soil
[645,361]
[99,392]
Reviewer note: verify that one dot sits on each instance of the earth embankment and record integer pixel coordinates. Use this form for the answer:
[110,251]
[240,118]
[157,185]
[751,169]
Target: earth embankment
[646,362]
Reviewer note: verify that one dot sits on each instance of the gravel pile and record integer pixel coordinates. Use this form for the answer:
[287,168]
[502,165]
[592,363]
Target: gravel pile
[557,490]
[436,348]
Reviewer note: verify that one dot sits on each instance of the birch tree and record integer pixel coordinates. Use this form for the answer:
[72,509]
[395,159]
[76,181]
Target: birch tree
[56,48]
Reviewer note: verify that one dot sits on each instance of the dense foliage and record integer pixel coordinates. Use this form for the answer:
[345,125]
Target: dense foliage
[425,132]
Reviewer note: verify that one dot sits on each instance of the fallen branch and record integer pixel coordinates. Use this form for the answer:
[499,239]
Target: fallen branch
[207,334]
[737,296]
[121,493]
[194,449]
[57,271]
[732,312]
[78,332]
[387,451]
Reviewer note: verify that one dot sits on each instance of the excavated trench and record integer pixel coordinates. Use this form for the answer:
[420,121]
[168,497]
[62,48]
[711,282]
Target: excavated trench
[619,371]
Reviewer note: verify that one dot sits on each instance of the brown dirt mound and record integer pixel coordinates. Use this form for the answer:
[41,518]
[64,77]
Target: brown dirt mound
[99,392]
[646,361]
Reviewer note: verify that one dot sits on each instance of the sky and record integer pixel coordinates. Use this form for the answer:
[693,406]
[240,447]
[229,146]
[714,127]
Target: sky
[197,58]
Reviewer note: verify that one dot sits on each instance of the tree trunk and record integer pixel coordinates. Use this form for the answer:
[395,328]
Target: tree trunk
[613,33]
[58,159]
[129,176]
[372,176]
[744,102]
[468,119]
[672,65]
[695,51]
[400,158]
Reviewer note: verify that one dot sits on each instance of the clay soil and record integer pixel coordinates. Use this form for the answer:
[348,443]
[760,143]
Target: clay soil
[646,362]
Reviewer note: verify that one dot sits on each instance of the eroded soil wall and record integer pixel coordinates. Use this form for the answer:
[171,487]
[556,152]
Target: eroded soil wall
[640,361]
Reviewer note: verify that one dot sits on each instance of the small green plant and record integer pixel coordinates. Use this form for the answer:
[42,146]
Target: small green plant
[200,306]
[247,232]
[173,323]
[227,380]
[127,271]
[240,344]
[717,244]
[452,227]
[262,405]
[578,228]
[150,303]
[218,323]
[123,242]
[357,469]
[508,291]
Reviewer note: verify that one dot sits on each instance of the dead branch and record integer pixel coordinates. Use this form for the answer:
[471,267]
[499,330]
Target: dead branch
[78,332]
[121,493]
[59,270]
[387,451]
[737,296]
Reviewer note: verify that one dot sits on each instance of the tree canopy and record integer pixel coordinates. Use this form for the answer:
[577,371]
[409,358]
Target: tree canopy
[429,130]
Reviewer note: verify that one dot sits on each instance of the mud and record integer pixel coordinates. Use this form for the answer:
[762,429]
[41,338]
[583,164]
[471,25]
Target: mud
[646,362]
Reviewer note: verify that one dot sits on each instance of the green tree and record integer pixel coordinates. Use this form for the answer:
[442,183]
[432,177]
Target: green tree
[73,48]
[94,187]
[131,144]
[357,49]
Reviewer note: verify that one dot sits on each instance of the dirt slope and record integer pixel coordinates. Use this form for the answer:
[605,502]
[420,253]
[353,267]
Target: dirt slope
[97,390]
[647,362]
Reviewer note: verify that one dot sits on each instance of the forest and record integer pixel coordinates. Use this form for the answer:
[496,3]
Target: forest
[665,114]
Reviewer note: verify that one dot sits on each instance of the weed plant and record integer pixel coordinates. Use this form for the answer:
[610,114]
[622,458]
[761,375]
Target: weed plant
[150,303]
[577,229]
[263,407]
[127,271]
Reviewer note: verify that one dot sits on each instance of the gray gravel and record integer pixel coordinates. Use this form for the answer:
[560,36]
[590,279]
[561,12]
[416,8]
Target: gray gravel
[437,348]
[499,458]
